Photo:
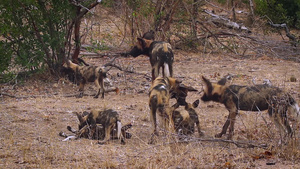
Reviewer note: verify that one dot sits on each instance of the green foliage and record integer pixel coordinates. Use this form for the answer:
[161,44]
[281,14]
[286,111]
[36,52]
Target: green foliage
[36,34]
[280,11]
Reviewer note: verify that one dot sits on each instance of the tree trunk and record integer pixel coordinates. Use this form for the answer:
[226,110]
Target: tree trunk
[77,37]
[233,11]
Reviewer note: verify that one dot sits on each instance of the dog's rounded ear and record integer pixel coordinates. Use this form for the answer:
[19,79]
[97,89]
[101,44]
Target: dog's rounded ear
[222,81]
[79,116]
[178,81]
[208,86]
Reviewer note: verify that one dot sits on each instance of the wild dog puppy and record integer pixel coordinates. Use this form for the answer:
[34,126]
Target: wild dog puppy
[280,105]
[89,74]
[109,119]
[159,97]
[185,119]
[180,93]
[160,54]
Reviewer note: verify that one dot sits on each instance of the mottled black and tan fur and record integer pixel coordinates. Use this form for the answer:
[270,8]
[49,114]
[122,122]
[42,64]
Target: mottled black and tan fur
[95,74]
[108,119]
[97,131]
[280,105]
[160,55]
[159,97]
[185,119]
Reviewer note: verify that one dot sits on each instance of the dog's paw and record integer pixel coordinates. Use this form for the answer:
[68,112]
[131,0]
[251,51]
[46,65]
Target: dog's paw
[218,135]
[201,134]
[101,142]
[79,96]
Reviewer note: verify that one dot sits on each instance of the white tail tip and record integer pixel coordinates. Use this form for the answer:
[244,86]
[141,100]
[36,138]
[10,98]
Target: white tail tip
[119,126]
[166,70]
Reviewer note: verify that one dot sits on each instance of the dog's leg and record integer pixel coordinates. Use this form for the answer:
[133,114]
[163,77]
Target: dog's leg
[81,88]
[224,129]
[99,87]
[155,71]
[107,134]
[171,121]
[199,129]
[232,118]
[102,86]
[82,131]
[153,120]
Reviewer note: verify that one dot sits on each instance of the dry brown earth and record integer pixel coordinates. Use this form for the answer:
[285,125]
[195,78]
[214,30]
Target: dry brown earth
[30,125]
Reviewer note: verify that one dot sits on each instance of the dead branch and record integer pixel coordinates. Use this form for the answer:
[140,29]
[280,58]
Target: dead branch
[226,22]
[287,31]
[100,55]
[213,35]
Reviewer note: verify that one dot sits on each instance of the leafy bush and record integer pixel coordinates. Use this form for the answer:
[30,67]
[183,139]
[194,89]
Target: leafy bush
[280,11]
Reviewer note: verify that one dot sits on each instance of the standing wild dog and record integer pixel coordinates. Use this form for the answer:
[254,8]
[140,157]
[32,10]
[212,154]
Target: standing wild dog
[280,105]
[160,93]
[185,119]
[160,54]
[89,74]
[109,119]
[159,97]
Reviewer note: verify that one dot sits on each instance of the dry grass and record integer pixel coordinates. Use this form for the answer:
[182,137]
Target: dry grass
[30,126]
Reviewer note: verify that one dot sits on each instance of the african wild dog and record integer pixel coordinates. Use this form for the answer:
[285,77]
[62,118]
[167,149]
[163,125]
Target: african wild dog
[89,74]
[97,131]
[185,119]
[160,93]
[160,54]
[108,119]
[71,74]
[280,105]
[180,93]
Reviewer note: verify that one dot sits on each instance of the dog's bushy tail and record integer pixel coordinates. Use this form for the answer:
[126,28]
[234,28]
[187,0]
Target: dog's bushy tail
[119,128]
[71,65]
[166,70]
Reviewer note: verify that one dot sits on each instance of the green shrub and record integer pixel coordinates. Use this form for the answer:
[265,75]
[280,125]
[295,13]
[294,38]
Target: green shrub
[280,11]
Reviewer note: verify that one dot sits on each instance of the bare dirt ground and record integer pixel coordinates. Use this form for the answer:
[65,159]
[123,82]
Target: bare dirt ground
[31,121]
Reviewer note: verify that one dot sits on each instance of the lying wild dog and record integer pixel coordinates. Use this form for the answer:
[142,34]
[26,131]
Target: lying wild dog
[89,125]
[185,119]
[160,54]
[98,131]
[95,74]
[280,105]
